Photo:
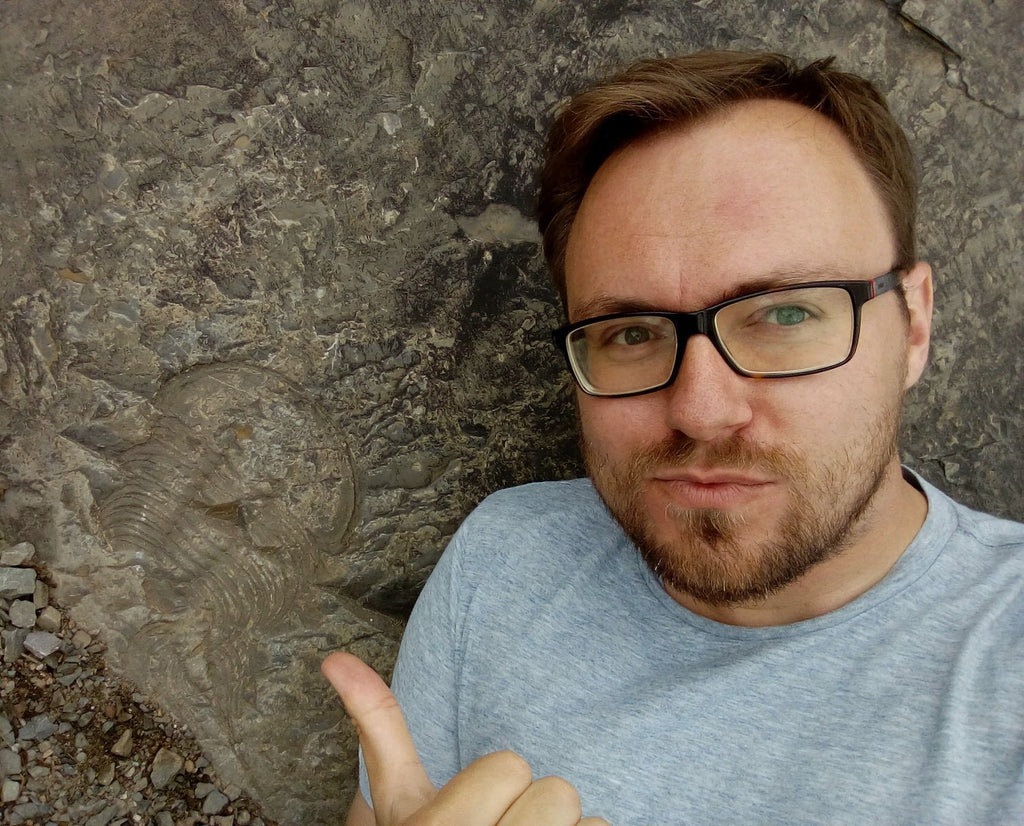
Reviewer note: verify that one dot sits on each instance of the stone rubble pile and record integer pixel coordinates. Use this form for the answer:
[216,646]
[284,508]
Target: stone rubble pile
[77,744]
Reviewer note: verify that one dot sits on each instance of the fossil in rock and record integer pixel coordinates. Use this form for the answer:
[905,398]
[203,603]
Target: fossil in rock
[242,489]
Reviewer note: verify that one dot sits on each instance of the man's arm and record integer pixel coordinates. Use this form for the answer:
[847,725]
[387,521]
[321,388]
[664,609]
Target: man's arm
[495,790]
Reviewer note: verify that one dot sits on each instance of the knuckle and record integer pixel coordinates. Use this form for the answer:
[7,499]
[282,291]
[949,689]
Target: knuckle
[558,793]
[506,768]
[512,765]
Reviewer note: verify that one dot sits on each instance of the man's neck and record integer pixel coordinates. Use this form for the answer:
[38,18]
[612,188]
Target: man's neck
[882,535]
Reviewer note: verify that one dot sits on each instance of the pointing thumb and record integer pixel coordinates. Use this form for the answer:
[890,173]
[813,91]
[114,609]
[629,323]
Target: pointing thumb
[399,785]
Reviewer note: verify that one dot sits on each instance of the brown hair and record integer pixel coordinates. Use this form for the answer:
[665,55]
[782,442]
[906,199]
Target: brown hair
[662,93]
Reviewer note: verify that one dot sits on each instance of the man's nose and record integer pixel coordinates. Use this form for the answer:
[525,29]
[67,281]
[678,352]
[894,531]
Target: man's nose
[707,400]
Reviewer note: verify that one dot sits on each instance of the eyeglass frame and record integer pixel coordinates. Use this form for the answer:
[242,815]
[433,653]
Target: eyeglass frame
[701,322]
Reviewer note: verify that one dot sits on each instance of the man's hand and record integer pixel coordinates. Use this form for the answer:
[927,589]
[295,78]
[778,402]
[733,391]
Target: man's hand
[495,790]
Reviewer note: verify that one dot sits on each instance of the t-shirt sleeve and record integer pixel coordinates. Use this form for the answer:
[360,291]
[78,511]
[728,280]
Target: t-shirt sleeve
[427,670]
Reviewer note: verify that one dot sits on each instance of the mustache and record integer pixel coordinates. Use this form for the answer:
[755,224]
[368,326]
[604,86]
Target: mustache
[679,450]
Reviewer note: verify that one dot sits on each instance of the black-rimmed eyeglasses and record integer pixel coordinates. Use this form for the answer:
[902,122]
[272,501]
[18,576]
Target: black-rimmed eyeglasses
[788,331]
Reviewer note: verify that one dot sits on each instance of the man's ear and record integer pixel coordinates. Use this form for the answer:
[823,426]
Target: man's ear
[917,288]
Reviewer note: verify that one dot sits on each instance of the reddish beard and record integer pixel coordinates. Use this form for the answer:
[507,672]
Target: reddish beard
[708,558]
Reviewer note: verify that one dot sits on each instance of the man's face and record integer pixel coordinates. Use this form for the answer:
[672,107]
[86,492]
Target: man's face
[734,487]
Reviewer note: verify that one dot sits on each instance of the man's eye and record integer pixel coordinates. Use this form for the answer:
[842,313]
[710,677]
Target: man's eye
[632,336]
[786,316]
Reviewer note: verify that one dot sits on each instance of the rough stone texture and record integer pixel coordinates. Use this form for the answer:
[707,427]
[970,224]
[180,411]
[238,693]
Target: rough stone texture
[166,765]
[16,582]
[22,613]
[272,314]
[17,555]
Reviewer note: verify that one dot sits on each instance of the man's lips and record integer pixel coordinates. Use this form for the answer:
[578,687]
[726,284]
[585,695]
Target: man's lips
[714,476]
[696,488]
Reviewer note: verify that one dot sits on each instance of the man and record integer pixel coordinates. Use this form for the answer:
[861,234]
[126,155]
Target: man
[818,635]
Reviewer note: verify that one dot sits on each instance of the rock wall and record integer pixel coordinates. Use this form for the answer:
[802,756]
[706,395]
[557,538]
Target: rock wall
[273,315]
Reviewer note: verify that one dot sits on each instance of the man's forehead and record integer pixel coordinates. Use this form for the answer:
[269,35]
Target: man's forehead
[629,299]
[766,195]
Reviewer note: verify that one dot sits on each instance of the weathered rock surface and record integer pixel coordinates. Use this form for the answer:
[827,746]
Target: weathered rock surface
[273,316]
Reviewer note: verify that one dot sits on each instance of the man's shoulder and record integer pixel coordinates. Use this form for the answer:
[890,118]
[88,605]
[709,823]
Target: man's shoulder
[977,527]
[538,510]
[991,530]
[540,499]
[535,524]
[977,570]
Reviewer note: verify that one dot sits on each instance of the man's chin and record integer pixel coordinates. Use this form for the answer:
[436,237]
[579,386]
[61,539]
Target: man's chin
[716,570]
[723,557]
[707,531]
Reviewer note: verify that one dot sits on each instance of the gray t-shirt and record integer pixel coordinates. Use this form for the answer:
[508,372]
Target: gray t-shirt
[542,631]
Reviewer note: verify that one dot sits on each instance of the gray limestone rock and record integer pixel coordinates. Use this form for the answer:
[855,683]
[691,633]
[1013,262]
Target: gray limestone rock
[9,790]
[214,802]
[17,554]
[103,817]
[48,618]
[41,643]
[16,582]
[22,613]
[10,763]
[37,728]
[14,643]
[125,743]
[166,764]
[41,595]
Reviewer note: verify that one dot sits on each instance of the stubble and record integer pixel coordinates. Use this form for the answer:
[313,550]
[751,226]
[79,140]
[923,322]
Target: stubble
[715,556]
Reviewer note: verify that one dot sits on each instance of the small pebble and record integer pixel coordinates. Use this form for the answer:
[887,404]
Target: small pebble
[17,555]
[9,791]
[123,746]
[14,643]
[38,728]
[17,582]
[48,619]
[166,765]
[103,817]
[41,594]
[80,639]
[214,803]
[22,613]
[10,763]
[28,812]
[42,643]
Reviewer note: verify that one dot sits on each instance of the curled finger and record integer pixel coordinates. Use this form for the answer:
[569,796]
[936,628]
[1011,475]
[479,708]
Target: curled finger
[481,793]
[549,800]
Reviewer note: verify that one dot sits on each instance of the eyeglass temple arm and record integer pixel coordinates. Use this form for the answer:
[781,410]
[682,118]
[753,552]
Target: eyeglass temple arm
[884,283]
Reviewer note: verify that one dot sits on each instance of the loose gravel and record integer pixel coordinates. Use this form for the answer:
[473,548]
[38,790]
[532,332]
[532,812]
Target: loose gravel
[79,745]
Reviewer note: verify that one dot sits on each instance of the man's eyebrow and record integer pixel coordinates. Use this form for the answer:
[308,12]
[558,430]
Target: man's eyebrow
[606,304]
[775,280]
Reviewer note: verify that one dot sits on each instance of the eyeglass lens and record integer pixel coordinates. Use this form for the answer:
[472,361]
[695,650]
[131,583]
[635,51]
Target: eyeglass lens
[776,334]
